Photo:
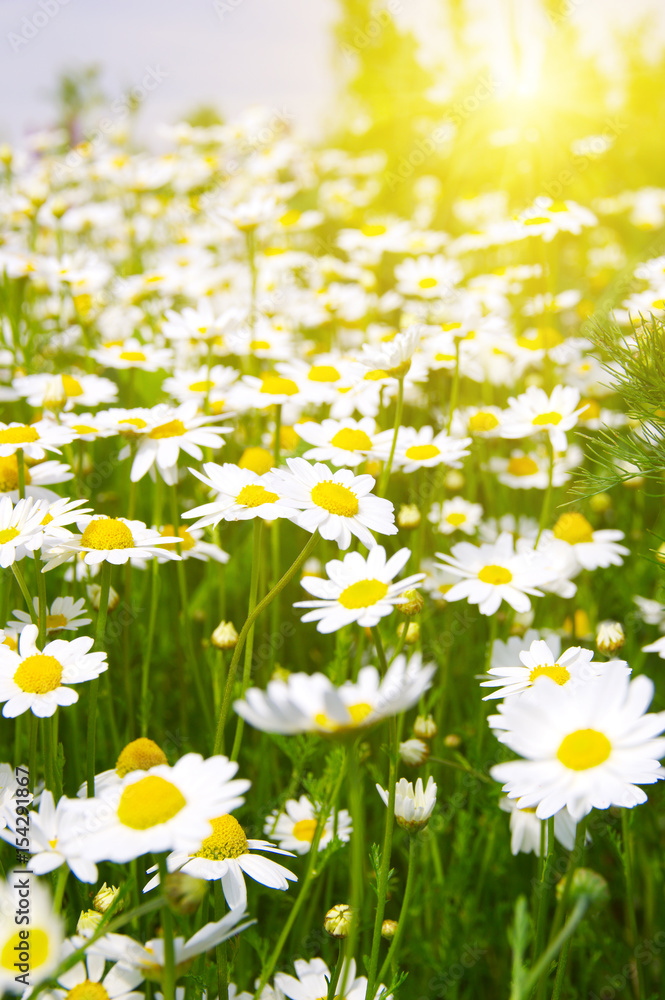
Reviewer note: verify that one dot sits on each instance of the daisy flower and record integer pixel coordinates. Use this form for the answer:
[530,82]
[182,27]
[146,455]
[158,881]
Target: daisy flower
[226,855]
[110,539]
[170,430]
[455,515]
[49,847]
[340,442]
[421,449]
[591,549]
[538,661]
[132,353]
[65,390]
[36,477]
[586,748]
[86,979]
[525,828]
[338,504]
[491,573]
[192,546]
[20,529]
[62,614]
[534,411]
[307,703]
[46,936]
[37,680]
[413,807]
[58,513]
[241,494]
[313,980]
[392,358]
[358,589]
[207,382]
[531,471]
[656,647]
[295,826]
[34,439]
[427,277]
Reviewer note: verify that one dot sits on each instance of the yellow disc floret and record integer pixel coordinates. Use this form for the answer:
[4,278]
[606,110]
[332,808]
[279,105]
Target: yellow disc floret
[555,672]
[227,840]
[258,460]
[496,575]
[275,385]
[583,749]
[173,428]
[9,474]
[335,498]
[8,535]
[573,528]
[323,373]
[483,421]
[149,802]
[350,439]
[107,533]
[363,594]
[87,991]
[36,945]
[421,452]
[39,674]
[305,829]
[20,434]
[139,755]
[545,419]
[254,495]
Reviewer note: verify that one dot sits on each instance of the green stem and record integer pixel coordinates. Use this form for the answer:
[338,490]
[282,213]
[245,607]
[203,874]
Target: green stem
[63,873]
[260,607]
[382,880]
[391,957]
[543,963]
[249,645]
[385,475]
[105,586]
[357,849]
[630,891]
[26,594]
[544,890]
[334,979]
[168,983]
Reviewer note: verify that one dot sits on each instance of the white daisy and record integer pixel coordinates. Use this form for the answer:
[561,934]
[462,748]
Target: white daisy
[358,589]
[66,390]
[20,968]
[49,845]
[535,411]
[525,828]
[539,660]
[86,979]
[416,449]
[132,353]
[338,504]
[63,613]
[587,748]
[110,539]
[33,439]
[36,477]
[295,826]
[241,494]
[169,430]
[311,703]
[314,979]
[226,855]
[413,806]
[38,680]
[455,515]
[20,529]
[591,549]
[341,442]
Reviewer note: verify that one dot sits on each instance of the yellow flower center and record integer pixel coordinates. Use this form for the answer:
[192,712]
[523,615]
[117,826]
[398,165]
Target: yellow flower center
[456,519]
[544,419]
[358,713]
[9,474]
[522,466]
[335,498]
[8,534]
[375,230]
[258,460]
[87,991]
[496,575]
[227,840]
[150,802]
[349,439]
[421,452]
[363,594]
[107,533]
[259,345]
[544,338]
[139,755]
[137,422]
[537,220]
[187,541]
[583,749]
[275,385]
[21,434]
[573,528]
[36,945]
[290,218]
[171,429]
[557,673]
[323,373]
[132,356]
[205,385]
[305,829]
[39,674]
[483,421]
[592,411]
[55,621]
[376,375]
[254,495]
[71,386]
[84,429]
[427,283]
[10,642]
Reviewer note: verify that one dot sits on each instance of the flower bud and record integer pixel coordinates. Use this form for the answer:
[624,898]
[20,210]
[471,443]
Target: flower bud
[414,752]
[388,929]
[313,567]
[105,898]
[411,603]
[412,632]
[425,727]
[88,922]
[408,517]
[600,503]
[95,593]
[184,893]
[280,673]
[452,741]
[338,920]
[585,883]
[258,460]
[609,637]
[224,636]
[454,480]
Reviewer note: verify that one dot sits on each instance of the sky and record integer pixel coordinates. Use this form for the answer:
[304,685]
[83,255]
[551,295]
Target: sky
[178,54]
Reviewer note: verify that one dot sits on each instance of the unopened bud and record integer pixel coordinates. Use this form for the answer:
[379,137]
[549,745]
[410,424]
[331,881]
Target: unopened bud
[280,673]
[88,922]
[609,637]
[388,929]
[408,517]
[313,567]
[452,740]
[95,593]
[425,727]
[414,752]
[258,460]
[411,603]
[412,632]
[55,395]
[454,480]
[585,882]
[600,503]
[224,636]
[184,893]
[338,920]
[105,898]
